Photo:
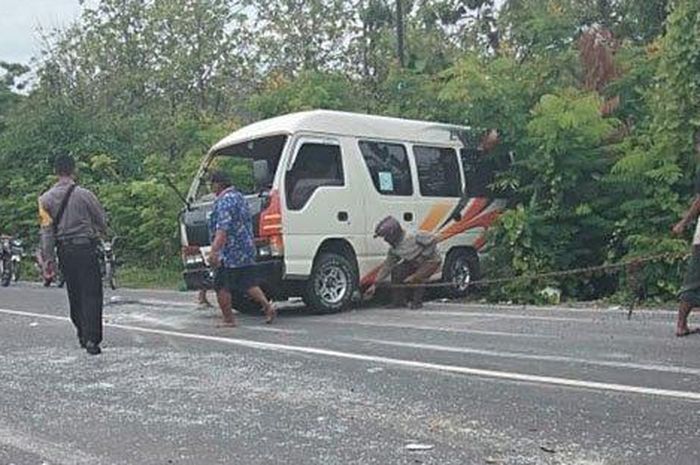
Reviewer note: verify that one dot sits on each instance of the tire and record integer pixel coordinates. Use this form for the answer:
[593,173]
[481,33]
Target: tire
[461,268]
[16,272]
[6,277]
[109,275]
[332,283]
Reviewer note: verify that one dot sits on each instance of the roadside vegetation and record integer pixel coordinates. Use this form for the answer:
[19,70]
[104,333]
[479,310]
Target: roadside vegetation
[599,100]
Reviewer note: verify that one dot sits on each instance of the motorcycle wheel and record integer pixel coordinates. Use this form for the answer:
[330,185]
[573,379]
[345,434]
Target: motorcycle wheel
[109,275]
[16,272]
[6,273]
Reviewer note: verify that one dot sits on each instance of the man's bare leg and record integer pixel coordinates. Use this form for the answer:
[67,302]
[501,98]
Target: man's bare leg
[202,299]
[682,328]
[258,295]
[223,296]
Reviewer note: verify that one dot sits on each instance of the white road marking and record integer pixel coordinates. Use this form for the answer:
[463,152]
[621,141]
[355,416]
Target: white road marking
[504,375]
[546,358]
[435,328]
[544,308]
[508,316]
[518,316]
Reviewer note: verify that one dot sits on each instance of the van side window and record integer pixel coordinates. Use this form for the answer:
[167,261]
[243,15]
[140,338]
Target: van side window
[479,172]
[388,166]
[316,165]
[438,171]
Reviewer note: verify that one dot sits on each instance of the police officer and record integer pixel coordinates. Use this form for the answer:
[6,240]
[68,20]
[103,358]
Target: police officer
[412,259]
[72,220]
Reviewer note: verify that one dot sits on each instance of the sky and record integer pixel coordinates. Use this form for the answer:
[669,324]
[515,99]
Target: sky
[19,20]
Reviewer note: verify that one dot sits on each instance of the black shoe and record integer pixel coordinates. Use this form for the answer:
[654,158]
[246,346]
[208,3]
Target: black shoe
[92,348]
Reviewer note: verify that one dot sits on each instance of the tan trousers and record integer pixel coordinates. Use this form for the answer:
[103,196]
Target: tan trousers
[414,272]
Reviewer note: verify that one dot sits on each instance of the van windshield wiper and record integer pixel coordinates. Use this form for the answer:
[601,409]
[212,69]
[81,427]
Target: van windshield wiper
[184,200]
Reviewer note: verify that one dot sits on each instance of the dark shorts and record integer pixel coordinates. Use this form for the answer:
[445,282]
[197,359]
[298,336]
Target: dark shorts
[690,292]
[237,279]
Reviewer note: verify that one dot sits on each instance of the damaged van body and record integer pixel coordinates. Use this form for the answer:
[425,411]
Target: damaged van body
[317,183]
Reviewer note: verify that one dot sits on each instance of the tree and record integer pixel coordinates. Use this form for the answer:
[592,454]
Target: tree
[643,21]
[291,35]
[9,82]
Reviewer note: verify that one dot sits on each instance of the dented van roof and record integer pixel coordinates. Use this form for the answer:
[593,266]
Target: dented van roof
[345,124]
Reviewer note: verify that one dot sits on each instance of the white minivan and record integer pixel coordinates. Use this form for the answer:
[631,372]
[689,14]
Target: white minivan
[318,182]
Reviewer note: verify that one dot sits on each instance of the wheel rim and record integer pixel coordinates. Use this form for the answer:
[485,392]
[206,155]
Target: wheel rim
[462,276]
[6,270]
[331,285]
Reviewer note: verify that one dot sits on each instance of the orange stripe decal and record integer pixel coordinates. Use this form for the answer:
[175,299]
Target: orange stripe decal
[482,221]
[436,214]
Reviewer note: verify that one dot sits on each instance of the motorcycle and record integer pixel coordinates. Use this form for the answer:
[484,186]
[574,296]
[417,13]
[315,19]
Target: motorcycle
[17,248]
[5,260]
[108,262]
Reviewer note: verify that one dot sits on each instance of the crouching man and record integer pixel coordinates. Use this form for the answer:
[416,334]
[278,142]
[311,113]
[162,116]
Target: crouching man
[412,259]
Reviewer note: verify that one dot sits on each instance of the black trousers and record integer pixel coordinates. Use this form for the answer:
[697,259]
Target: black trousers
[81,271]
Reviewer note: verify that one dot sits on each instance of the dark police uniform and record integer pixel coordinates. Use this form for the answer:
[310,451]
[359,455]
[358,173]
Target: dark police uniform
[75,238]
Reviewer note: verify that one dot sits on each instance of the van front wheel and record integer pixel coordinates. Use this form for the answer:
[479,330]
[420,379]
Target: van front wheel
[331,284]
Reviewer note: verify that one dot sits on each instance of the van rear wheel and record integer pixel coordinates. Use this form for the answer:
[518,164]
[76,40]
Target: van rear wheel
[331,285]
[461,269]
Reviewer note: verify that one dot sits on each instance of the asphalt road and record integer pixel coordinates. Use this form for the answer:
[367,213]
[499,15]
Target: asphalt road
[467,384]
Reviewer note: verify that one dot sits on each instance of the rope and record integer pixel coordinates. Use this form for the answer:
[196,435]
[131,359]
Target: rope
[634,263]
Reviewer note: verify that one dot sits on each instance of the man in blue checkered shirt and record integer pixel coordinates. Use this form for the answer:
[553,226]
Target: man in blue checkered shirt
[233,250]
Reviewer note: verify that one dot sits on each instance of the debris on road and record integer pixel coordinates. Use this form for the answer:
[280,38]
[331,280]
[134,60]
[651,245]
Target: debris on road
[419,447]
[548,449]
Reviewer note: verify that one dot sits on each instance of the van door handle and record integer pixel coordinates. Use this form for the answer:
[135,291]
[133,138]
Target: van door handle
[408,217]
[343,216]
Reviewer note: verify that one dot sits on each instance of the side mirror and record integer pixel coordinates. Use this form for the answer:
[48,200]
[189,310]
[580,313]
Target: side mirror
[261,172]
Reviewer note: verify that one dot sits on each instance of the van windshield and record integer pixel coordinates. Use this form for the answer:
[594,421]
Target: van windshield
[239,162]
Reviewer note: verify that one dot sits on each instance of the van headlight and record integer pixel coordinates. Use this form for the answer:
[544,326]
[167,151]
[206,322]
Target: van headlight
[191,260]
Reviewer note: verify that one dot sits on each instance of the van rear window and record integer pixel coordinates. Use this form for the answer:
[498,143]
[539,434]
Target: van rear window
[479,172]
[388,166]
[438,171]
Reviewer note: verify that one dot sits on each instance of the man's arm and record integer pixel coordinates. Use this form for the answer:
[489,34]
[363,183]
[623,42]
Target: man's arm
[97,212]
[48,241]
[223,224]
[692,213]
[217,244]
